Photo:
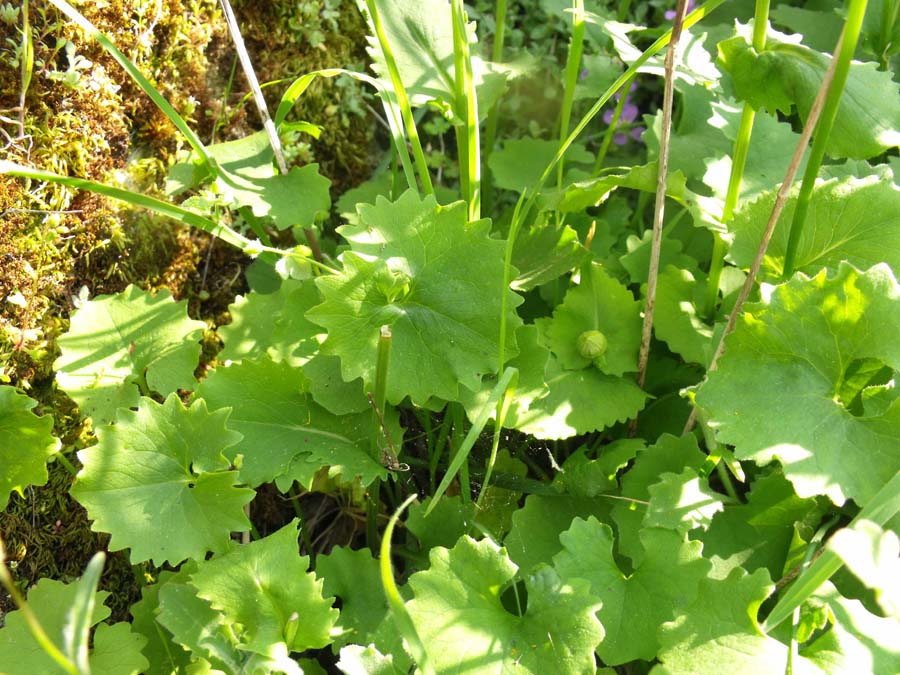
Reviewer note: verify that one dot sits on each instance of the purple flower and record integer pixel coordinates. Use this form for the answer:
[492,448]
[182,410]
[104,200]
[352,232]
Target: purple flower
[670,14]
[583,74]
[629,112]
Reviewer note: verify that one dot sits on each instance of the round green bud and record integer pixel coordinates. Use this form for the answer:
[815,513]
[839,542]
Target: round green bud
[592,344]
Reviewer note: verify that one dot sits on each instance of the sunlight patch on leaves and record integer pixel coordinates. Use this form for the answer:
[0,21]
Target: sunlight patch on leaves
[119,345]
[158,482]
[458,612]
[787,360]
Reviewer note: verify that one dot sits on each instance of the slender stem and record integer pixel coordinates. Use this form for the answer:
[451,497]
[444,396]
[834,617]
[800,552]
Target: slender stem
[611,129]
[252,80]
[660,207]
[62,459]
[490,132]
[469,154]
[402,98]
[843,56]
[573,64]
[777,208]
[741,149]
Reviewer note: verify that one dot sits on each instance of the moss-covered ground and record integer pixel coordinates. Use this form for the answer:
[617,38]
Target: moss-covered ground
[81,115]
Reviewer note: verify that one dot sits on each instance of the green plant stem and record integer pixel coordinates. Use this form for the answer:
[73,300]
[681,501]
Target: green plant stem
[573,64]
[493,117]
[62,459]
[843,56]
[881,508]
[401,616]
[528,198]
[467,102]
[611,129]
[741,149]
[34,626]
[402,98]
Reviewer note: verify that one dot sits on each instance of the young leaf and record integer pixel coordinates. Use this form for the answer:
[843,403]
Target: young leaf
[161,650]
[598,303]
[116,650]
[121,346]
[264,586]
[634,606]
[580,401]
[286,435]
[788,74]
[158,482]
[852,219]
[795,349]
[676,320]
[26,442]
[436,280]
[557,632]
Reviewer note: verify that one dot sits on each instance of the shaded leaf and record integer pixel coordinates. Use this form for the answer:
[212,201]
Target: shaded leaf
[26,443]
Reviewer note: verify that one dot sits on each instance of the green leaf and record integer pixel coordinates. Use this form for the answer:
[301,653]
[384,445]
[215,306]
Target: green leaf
[264,586]
[120,346]
[457,610]
[158,482]
[758,533]
[636,605]
[286,435]
[795,348]
[161,650]
[676,320]
[637,259]
[298,197]
[250,156]
[598,303]
[542,253]
[354,578]
[788,74]
[718,631]
[669,454]
[536,528]
[858,641]
[450,519]
[195,625]
[872,555]
[272,324]
[682,502]
[587,193]
[580,401]
[421,38]
[26,443]
[521,162]
[851,219]
[116,650]
[436,280]
[531,362]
